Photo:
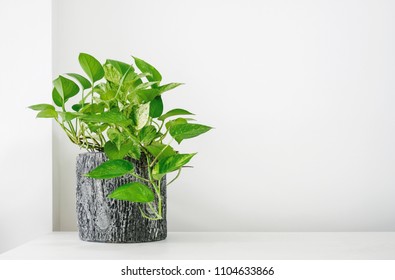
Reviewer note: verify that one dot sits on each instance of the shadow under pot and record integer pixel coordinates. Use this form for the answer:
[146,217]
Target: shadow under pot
[102,219]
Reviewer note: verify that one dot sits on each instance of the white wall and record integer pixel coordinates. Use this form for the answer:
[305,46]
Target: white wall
[301,94]
[25,143]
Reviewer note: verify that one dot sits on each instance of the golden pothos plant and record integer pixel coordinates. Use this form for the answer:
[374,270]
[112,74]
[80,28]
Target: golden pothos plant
[118,110]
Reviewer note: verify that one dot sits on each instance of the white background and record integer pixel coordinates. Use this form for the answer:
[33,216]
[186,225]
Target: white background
[25,143]
[301,94]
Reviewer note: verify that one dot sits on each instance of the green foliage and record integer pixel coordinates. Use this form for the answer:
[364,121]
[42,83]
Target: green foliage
[187,130]
[133,192]
[110,117]
[126,148]
[154,75]
[111,169]
[174,112]
[41,107]
[66,88]
[121,67]
[170,164]
[91,67]
[57,99]
[47,113]
[84,82]
[160,151]
[156,107]
[147,134]
[117,108]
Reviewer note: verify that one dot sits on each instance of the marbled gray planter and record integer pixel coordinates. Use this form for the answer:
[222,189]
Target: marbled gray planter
[101,219]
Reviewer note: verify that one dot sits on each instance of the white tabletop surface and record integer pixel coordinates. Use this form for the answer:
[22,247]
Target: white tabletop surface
[218,245]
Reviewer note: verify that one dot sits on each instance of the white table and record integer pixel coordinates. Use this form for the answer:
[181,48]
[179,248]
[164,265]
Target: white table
[218,245]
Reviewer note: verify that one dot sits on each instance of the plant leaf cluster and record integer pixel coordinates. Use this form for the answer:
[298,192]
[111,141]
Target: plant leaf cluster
[117,108]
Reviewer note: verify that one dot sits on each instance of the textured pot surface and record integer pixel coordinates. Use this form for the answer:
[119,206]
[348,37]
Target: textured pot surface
[102,219]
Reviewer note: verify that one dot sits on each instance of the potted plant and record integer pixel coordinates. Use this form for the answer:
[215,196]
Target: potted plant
[117,117]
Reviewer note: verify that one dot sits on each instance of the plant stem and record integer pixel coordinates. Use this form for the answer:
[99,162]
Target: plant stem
[155,187]
[175,178]
[139,177]
[161,125]
[158,155]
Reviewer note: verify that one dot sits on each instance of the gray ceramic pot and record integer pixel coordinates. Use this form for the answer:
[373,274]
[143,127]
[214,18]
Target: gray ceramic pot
[107,220]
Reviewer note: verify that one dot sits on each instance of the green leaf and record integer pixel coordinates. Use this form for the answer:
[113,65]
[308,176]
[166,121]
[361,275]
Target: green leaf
[113,152]
[174,112]
[65,87]
[168,87]
[147,134]
[140,115]
[121,67]
[116,137]
[110,117]
[187,130]
[93,108]
[112,74]
[146,85]
[108,95]
[148,68]
[68,116]
[84,82]
[172,123]
[113,134]
[170,164]
[97,128]
[156,107]
[57,99]
[77,107]
[91,67]
[135,152]
[147,95]
[132,80]
[133,192]
[47,113]
[111,169]
[41,107]
[160,150]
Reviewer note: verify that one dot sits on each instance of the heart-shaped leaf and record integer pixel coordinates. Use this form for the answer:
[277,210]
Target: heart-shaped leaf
[91,67]
[145,67]
[170,164]
[111,169]
[41,107]
[187,130]
[133,192]
[65,87]
[174,112]
[47,113]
